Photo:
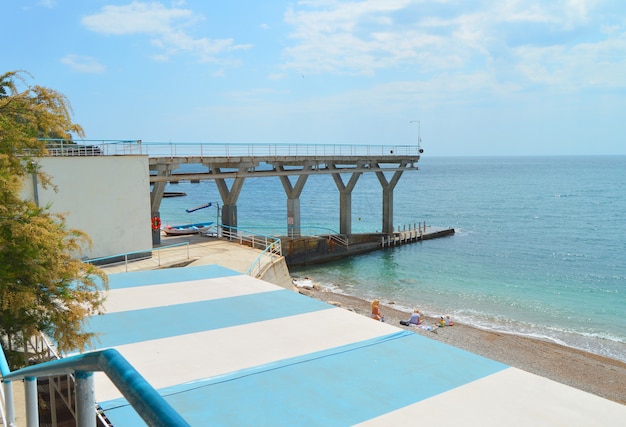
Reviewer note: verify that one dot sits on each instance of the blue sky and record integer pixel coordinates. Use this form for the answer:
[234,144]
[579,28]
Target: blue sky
[501,77]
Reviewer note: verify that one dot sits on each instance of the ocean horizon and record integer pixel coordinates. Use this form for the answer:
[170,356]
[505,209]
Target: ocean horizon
[539,247]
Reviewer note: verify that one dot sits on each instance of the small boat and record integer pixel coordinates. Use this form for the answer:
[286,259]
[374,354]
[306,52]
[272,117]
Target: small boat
[182,230]
[174,194]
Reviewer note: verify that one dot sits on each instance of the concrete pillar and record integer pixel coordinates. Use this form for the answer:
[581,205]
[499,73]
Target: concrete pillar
[229,198]
[345,199]
[158,188]
[229,215]
[293,217]
[156,196]
[293,200]
[388,187]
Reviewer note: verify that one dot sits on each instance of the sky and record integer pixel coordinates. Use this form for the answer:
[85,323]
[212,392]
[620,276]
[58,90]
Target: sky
[471,78]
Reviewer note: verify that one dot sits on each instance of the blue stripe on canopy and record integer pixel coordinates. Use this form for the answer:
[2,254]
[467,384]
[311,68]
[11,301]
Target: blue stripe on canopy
[168,275]
[181,319]
[331,387]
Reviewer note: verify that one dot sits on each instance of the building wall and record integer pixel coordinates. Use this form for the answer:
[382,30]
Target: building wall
[107,197]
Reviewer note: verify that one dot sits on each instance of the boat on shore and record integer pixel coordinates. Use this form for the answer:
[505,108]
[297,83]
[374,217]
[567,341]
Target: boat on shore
[182,230]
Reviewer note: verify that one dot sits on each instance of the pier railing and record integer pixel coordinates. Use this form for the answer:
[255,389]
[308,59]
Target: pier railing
[311,231]
[67,148]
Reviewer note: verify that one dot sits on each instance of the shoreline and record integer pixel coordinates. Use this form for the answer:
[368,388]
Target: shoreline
[599,375]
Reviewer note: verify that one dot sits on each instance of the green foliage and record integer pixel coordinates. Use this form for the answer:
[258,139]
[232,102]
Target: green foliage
[44,287]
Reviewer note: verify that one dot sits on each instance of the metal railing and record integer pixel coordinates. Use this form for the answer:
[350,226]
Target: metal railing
[339,239]
[148,403]
[271,247]
[59,147]
[129,256]
[91,148]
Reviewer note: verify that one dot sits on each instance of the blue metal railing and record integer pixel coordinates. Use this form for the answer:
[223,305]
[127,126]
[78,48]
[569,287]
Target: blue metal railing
[7,391]
[148,403]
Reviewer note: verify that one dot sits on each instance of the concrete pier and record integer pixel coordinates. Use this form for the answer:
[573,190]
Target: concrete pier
[307,250]
[346,163]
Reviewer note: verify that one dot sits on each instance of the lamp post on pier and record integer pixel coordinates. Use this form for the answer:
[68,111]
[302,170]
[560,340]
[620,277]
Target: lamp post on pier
[419,137]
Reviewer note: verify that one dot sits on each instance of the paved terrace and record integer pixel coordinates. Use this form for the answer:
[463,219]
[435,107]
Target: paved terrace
[224,348]
[196,249]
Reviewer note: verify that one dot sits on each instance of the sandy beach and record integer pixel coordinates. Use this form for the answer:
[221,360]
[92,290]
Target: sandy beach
[585,371]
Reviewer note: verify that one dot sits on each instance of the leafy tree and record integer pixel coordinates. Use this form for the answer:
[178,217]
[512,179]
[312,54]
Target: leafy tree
[44,287]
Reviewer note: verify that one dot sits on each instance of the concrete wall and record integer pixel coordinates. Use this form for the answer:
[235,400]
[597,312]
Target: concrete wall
[278,274]
[107,197]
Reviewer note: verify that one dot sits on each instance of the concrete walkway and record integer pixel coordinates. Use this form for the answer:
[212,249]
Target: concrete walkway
[193,250]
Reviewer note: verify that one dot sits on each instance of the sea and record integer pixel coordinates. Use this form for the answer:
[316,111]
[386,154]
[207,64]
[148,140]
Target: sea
[539,248]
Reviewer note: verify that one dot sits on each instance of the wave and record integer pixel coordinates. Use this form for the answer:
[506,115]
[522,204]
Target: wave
[599,343]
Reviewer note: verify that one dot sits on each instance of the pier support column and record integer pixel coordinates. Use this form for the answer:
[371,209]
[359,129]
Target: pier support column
[156,196]
[388,187]
[293,200]
[158,188]
[345,199]
[229,198]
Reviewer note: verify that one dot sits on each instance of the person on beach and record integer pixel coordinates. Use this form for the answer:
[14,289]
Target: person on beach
[376,314]
[414,320]
[445,321]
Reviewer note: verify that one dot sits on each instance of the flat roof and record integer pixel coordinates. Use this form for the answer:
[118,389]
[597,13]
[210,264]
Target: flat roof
[228,349]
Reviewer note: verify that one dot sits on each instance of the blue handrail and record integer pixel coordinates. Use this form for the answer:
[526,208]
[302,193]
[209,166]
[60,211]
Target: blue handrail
[148,403]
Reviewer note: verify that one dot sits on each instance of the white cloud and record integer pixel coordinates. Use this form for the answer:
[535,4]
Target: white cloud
[511,42]
[83,64]
[49,4]
[167,28]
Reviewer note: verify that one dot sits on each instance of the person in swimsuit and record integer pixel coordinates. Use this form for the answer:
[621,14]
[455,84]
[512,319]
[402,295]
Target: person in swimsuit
[376,314]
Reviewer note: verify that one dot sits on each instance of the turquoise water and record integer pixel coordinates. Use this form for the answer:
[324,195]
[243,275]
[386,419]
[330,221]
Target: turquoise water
[539,249]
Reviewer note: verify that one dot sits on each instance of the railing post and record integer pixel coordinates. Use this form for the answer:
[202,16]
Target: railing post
[9,403]
[32,412]
[126,262]
[85,399]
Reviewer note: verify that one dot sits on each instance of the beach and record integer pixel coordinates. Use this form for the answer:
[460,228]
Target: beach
[585,371]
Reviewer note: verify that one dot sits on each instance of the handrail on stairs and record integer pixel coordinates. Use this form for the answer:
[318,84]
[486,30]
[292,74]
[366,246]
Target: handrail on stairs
[148,403]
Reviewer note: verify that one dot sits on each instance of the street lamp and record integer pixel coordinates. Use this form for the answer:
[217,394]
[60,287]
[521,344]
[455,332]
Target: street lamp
[419,137]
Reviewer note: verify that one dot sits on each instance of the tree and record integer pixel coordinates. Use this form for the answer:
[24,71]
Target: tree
[44,286]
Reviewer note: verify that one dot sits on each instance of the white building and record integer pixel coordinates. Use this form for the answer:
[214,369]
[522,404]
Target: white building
[107,197]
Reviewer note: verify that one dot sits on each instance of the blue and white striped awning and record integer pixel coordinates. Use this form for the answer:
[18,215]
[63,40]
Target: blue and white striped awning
[227,349]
